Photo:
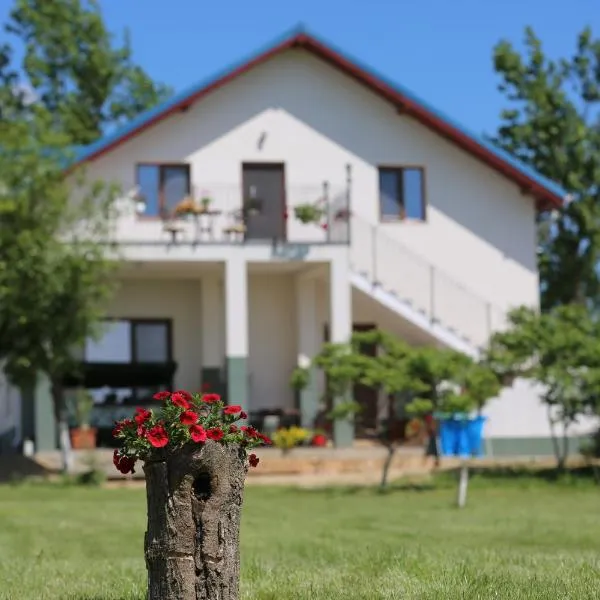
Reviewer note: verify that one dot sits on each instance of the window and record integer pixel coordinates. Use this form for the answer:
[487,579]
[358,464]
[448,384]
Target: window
[401,193]
[162,186]
[132,341]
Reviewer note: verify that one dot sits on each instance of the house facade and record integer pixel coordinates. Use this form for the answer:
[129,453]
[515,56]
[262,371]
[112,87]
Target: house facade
[412,225]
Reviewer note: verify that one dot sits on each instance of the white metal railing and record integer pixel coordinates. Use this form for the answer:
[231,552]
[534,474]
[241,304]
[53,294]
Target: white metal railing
[229,214]
[387,263]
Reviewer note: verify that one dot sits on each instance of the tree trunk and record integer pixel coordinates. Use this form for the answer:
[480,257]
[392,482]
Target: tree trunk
[60,413]
[194,506]
[391,449]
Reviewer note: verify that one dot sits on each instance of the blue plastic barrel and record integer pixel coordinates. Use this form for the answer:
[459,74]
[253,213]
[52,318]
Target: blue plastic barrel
[461,436]
[475,435]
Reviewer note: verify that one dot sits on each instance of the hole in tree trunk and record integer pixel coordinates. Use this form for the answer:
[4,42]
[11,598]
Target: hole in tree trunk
[202,486]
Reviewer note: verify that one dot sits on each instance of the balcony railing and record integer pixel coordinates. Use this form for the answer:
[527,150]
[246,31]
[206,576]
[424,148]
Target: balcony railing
[220,214]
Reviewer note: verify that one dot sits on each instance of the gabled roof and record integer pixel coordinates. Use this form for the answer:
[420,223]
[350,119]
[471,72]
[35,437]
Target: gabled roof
[546,192]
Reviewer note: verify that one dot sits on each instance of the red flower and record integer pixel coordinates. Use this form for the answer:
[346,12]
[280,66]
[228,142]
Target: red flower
[232,410]
[266,440]
[250,431]
[243,415]
[157,436]
[141,415]
[161,395]
[124,464]
[253,460]
[211,398]
[178,399]
[216,434]
[141,431]
[197,433]
[189,417]
[319,440]
[185,394]
[325,227]
[233,429]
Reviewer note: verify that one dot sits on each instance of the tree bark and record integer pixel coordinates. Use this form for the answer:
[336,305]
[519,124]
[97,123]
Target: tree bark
[64,439]
[194,506]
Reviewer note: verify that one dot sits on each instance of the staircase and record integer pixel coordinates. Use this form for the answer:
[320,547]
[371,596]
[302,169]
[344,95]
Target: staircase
[413,288]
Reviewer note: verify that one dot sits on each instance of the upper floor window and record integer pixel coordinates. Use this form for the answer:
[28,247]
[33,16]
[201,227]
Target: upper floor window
[401,193]
[162,186]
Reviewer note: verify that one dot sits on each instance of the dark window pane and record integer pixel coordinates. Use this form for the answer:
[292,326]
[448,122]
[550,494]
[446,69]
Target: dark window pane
[151,343]
[148,180]
[389,194]
[176,185]
[412,193]
[113,346]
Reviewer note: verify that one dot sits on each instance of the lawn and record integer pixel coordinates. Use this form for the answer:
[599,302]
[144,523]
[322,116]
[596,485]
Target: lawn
[513,541]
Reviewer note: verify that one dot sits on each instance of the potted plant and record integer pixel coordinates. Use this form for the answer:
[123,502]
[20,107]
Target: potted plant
[309,213]
[195,462]
[287,438]
[252,206]
[205,202]
[83,436]
[185,208]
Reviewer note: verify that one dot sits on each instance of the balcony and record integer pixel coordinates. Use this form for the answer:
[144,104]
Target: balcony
[212,214]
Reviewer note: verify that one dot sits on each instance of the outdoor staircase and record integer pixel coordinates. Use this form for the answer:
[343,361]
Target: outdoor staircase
[418,291]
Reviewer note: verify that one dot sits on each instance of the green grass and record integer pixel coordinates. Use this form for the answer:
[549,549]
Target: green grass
[515,540]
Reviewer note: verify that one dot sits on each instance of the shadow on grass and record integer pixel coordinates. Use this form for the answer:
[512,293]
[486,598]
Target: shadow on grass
[16,468]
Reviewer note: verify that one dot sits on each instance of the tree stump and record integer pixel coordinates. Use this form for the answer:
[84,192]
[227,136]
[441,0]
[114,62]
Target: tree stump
[194,501]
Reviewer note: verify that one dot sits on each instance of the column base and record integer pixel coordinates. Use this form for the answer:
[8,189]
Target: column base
[343,433]
[237,381]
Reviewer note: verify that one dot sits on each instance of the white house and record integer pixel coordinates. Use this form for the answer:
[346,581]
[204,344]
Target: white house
[427,231]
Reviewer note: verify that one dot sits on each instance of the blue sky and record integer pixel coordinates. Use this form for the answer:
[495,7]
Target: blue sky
[440,49]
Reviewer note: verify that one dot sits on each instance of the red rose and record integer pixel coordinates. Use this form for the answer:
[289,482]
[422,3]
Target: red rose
[197,433]
[211,398]
[233,429]
[232,410]
[178,399]
[319,440]
[161,395]
[157,436]
[215,434]
[141,415]
[243,415]
[185,394]
[189,417]
[253,460]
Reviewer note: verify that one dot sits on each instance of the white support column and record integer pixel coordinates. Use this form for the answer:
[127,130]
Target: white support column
[236,330]
[212,334]
[309,343]
[340,331]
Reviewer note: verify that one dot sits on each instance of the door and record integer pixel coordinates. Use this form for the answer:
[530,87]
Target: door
[264,201]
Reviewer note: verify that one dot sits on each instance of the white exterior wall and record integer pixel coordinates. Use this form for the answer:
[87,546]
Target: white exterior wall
[272,330]
[480,229]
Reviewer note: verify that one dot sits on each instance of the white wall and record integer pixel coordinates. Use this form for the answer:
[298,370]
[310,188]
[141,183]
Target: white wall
[272,330]
[480,228]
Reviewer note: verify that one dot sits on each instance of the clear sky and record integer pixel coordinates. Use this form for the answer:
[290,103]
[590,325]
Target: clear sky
[440,49]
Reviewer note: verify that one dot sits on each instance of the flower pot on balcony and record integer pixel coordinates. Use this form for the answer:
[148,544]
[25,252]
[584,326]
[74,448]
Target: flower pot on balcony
[83,438]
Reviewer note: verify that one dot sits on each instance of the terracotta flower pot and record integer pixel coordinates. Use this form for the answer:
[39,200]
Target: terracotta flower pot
[83,438]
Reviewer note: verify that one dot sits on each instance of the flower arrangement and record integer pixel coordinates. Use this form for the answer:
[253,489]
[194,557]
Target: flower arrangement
[186,207]
[288,438]
[309,213]
[183,419]
[319,440]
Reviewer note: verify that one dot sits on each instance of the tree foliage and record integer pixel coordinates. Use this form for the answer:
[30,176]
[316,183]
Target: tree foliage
[552,123]
[558,350]
[73,66]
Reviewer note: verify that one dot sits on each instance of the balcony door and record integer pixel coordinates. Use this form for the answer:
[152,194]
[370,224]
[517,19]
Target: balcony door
[264,201]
